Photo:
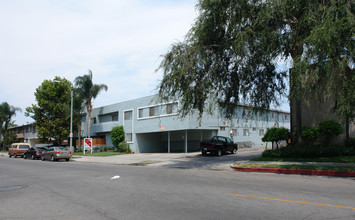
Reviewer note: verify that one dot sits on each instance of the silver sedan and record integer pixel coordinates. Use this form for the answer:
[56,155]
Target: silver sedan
[57,153]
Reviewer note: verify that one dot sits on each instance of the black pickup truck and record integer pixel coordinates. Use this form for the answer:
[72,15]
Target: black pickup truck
[218,145]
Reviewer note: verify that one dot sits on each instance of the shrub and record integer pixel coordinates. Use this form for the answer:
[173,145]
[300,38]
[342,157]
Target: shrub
[326,129]
[117,135]
[350,142]
[97,149]
[108,148]
[124,147]
[309,135]
[275,135]
[310,151]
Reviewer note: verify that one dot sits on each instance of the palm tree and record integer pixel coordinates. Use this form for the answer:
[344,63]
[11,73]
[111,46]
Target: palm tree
[88,90]
[6,113]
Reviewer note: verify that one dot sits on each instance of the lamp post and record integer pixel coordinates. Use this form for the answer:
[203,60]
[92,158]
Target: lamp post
[71,116]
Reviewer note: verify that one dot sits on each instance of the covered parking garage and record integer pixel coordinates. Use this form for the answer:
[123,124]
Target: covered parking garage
[181,141]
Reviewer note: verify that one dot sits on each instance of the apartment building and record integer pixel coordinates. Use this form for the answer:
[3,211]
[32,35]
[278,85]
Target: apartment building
[157,127]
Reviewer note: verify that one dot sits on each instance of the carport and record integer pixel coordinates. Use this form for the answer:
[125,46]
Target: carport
[172,141]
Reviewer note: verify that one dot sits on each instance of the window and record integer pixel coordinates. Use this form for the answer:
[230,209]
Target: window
[115,117]
[286,117]
[222,128]
[245,132]
[261,132]
[169,108]
[140,113]
[153,111]
[128,115]
[93,120]
[128,137]
[273,115]
[234,132]
[254,129]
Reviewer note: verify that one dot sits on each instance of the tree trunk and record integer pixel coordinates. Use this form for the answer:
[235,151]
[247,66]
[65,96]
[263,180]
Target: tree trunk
[347,129]
[295,111]
[89,118]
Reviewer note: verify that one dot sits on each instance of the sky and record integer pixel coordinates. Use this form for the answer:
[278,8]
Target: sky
[120,41]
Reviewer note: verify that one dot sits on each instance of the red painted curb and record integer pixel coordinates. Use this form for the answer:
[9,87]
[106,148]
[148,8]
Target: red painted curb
[296,171]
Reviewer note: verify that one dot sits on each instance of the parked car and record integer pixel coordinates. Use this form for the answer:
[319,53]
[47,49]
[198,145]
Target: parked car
[17,149]
[218,145]
[56,153]
[34,153]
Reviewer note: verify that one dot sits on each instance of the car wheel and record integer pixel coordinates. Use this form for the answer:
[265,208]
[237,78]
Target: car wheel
[52,158]
[15,155]
[234,151]
[42,158]
[32,157]
[24,156]
[67,159]
[9,155]
[204,152]
[219,152]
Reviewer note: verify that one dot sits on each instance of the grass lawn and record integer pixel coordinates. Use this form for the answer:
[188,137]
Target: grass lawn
[97,154]
[311,167]
[343,159]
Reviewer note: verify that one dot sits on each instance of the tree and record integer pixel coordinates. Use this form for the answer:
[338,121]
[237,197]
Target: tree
[78,108]
[6,113]
[231,54]
[117,135]
[52,111]
[89,91]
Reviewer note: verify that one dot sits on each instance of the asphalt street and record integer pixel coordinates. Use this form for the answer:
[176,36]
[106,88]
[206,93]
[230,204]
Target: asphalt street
[79,190]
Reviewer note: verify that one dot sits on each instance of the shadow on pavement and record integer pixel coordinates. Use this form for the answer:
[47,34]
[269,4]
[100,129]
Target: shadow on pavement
[210,162]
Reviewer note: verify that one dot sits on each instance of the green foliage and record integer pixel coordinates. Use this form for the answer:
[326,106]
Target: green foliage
[326,129]
[117,135]
[350,143]
[97,149]
[52,111]
[108,148]
[86,91]
[6,113]
[310,151]
[309,135]
[276,135]
[230,56]
[124,147]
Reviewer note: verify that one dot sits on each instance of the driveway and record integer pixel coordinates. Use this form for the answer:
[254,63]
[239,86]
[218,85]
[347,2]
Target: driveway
[178,160]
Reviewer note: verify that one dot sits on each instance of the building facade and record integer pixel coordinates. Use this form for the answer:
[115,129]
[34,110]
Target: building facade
[157,127]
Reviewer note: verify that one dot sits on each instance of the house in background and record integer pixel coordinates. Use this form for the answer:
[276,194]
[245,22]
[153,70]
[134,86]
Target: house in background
[157,127]
[25,133]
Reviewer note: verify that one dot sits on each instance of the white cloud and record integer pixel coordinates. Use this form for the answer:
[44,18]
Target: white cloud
[120,41]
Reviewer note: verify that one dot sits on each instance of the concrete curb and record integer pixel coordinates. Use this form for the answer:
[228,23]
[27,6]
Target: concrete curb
[296,171]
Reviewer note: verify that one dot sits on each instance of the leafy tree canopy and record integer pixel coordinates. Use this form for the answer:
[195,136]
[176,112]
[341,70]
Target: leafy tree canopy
[6,113]
[231,53]
[52,111]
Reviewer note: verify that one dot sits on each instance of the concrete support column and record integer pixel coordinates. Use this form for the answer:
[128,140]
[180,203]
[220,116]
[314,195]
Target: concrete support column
[186,141]
[168,141]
